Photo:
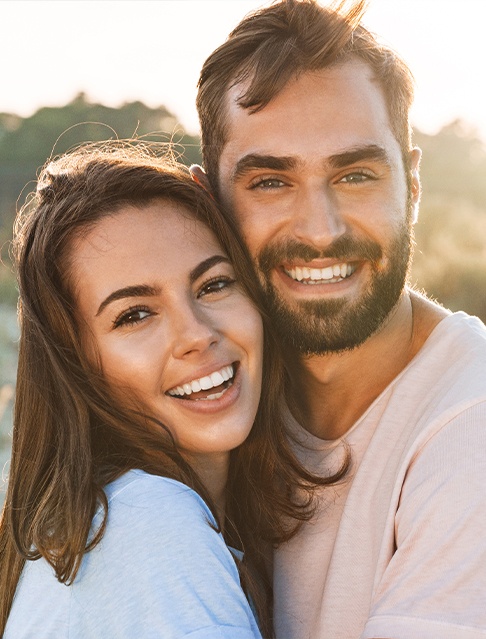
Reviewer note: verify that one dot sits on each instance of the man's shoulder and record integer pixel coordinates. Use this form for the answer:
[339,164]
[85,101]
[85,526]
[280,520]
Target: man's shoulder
[469,323]
[430,318]
[462,335]
[448,375]
[428,314]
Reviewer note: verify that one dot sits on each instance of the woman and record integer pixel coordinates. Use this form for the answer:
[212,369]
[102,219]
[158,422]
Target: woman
[140,368]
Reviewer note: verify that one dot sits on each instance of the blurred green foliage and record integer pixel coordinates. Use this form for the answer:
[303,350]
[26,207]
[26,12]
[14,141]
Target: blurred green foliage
[26,144]
[450,255]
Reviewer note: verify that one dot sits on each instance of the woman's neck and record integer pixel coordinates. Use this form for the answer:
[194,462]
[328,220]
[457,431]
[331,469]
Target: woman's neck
[212,470]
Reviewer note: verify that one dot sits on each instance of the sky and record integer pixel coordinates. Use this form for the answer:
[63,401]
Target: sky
[152,50]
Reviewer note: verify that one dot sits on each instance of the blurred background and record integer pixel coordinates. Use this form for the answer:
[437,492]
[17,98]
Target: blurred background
[99,69]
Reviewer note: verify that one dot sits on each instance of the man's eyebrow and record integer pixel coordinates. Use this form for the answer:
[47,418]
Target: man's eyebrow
[368,152]
[254,161]
[140,290]
[205,265]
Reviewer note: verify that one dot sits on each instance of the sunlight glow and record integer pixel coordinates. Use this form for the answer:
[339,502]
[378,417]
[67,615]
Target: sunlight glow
[152,50]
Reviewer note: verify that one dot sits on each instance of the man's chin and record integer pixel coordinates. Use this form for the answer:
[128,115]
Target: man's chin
[327,318]
[313,328]
[320,327]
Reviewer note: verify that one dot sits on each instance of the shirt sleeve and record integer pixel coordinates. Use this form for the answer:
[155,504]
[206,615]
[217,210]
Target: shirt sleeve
[435,584]
[166,572]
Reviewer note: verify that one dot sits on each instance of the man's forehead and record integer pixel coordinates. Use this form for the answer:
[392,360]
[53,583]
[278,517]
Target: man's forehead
[352,64]
[343,102]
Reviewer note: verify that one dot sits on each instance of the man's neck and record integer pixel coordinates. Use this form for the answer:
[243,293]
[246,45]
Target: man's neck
[329,393]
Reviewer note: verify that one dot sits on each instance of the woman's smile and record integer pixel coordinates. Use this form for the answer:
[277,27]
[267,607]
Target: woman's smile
[196,389]
[218,397]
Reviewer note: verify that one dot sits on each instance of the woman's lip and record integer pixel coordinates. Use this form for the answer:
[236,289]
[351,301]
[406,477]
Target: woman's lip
[204,372]
[207,406]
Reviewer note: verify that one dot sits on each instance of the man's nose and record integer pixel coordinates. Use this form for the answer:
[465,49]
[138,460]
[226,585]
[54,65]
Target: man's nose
[318,220]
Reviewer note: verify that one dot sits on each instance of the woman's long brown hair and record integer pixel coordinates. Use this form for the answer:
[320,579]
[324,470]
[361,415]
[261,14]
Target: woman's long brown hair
[71,437]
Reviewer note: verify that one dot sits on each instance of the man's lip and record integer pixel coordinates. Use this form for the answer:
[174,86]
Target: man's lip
[321,263]
[331,286]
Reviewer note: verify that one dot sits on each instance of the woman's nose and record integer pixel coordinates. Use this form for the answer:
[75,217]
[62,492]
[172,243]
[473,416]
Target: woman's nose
[194,331]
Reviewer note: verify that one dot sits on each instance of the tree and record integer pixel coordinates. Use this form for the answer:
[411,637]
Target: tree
[450,256]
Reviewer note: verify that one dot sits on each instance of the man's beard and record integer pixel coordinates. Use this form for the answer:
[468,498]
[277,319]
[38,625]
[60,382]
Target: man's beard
[316,327]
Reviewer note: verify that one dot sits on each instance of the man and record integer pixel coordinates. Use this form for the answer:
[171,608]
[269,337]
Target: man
[306,138]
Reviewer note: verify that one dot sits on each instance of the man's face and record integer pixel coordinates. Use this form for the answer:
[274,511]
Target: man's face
[317,183]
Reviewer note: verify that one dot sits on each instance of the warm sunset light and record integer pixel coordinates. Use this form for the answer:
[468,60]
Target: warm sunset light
[243,368]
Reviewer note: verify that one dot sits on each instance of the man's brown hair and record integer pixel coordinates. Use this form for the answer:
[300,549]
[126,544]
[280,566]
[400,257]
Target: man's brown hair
[275,44]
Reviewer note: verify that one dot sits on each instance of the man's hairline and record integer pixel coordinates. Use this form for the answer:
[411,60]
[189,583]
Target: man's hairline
[339,62]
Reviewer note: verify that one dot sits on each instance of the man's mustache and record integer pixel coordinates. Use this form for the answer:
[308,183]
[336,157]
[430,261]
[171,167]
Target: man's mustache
[345,248]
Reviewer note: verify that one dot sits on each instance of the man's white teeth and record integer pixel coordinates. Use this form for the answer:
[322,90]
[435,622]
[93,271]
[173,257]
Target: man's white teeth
[333,273]
[204,383]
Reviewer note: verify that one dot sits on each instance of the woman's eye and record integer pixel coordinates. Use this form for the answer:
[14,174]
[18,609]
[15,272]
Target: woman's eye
[215,285]
[131,316]
[356,178]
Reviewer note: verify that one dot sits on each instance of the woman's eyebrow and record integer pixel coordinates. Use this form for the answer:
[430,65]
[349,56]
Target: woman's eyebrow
[205,265]
[139,290]
[144,290]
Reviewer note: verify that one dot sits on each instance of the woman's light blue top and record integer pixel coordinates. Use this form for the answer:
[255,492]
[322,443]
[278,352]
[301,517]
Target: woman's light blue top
[160,571]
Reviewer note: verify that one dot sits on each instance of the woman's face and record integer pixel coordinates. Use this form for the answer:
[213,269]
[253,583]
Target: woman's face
[158,300]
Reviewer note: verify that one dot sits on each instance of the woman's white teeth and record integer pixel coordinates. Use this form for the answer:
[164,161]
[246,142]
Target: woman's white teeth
[205,383]
[333,273]
[213,396]
[215,379]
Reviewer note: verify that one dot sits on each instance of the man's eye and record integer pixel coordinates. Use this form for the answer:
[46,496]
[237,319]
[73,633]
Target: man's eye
[131,316]
[356,178]
[215,285]
[268,183]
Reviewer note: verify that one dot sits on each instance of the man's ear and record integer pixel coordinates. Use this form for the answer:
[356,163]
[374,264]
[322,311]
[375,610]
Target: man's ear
[199,176]
[416,189]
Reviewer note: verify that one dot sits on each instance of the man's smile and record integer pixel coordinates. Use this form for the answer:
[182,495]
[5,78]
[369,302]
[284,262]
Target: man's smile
[326,275]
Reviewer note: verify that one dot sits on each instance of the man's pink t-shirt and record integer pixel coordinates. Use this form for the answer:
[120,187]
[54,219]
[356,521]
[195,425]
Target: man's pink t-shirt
[398,550]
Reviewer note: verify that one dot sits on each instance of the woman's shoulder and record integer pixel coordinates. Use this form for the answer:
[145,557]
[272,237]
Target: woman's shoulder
[141,499]
[138,481]
[159,529]
[160,569]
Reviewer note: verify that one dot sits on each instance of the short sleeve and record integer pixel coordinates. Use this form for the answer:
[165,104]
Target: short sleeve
[435,584]
[161,570]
